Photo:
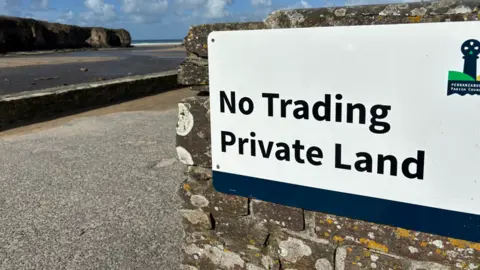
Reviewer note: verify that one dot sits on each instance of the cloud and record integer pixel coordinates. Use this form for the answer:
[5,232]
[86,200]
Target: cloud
[217,8]
[300,4]
[9,5]
[190,4]
[261,3]
[39,4]
[305,4]
[66,17]
[211,9]
[143,11]
[144,6]
[98,10]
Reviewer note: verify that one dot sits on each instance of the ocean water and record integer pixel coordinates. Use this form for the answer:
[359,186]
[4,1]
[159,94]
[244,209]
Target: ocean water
[153,42]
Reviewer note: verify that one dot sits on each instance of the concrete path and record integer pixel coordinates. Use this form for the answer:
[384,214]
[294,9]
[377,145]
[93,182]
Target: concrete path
[97,192]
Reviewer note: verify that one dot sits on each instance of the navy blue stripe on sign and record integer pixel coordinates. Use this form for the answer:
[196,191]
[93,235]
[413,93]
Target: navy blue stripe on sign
[409,216]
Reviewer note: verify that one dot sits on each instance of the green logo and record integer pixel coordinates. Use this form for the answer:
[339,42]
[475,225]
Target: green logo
[466,82]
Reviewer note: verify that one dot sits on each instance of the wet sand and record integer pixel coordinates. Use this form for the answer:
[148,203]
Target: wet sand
[20,73]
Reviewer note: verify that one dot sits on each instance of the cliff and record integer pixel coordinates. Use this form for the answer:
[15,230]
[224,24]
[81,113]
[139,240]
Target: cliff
[22,34]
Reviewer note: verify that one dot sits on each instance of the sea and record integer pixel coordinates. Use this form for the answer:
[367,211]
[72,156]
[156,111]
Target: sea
[156,42]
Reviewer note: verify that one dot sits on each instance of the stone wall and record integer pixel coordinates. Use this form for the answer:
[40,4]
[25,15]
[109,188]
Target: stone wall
[230,232]
[22,34]
[33,106]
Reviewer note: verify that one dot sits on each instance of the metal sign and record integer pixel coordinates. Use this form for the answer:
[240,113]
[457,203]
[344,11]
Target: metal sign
[379,123]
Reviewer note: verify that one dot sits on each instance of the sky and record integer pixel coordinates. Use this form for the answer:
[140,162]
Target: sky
[157,19]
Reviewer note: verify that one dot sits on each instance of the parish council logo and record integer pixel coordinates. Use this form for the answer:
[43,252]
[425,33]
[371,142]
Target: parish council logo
[466,82]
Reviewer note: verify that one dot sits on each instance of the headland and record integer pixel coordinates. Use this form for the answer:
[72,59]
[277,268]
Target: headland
[25,34]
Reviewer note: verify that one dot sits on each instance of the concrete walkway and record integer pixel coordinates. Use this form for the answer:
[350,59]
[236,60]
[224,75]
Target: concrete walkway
[97,192]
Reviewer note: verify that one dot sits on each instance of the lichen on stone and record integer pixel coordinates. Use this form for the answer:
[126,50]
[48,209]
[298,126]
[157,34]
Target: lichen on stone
[293,249]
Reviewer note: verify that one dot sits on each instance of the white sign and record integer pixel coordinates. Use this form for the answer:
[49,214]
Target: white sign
[390,112]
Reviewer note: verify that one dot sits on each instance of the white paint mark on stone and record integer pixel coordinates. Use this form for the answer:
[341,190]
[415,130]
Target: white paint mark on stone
[340,258]
[228,260]
[373,265]
[294,249]
[413,249]
[185,119]
[184,156]
[199,201]
[323,264]
[371,235]
[374,257]
[350,238]
[438,243]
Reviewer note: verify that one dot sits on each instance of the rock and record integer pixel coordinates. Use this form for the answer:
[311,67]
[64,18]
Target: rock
[435,11]
[196,40]
[199,173]
[84,69]
[363,258]
[201,194]
[280,215]
[124,37]
[300,253]
[100,37]
[193,132]
[402,242]
[201,89]
[193,71]
[22,34]
[197,219]
[242,231]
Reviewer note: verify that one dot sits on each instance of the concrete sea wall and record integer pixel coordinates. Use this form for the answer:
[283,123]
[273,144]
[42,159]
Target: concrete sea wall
[22,34]
[33,106]
[231,232]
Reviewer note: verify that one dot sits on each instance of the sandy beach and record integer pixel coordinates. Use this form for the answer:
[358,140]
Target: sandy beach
[26,72]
